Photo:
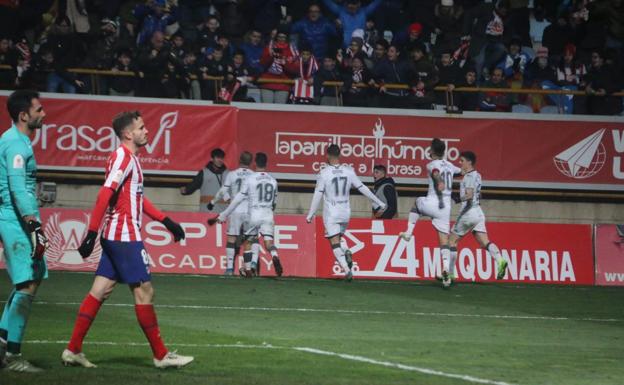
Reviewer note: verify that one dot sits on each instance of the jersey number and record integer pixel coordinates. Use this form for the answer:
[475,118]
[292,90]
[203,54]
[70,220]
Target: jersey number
[266,192]
[238,182]
[337,181]
[447,179]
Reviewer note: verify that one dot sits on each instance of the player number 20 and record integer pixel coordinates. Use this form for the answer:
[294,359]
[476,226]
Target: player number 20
[266,192]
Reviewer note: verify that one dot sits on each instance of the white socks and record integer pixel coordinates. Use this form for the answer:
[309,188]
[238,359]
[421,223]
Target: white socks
[494,251]
[339,255]
[411,222]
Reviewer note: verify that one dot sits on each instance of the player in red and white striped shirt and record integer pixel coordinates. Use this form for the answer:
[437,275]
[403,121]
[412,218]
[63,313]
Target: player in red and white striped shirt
[124,258]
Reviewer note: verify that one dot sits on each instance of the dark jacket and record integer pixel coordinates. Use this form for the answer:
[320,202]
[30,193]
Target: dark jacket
[387,195]
[393,72]
[322,76]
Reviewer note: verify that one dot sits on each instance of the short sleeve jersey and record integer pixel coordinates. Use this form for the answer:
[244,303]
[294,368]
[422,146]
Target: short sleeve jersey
[335,182]
[471,180]
[261,191]
[125,177]
[234,183]
[446,170]
[18,175]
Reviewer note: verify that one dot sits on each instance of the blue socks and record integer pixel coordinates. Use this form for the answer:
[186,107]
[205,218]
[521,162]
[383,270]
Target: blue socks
[4,321]
[17,317]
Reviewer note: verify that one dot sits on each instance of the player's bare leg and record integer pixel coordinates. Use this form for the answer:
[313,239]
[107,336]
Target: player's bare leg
[494,251]
[100,291]
[277,264]
[143,296]
[340,256]
[15,316]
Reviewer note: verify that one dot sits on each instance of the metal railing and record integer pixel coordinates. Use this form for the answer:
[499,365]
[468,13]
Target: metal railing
[218,82]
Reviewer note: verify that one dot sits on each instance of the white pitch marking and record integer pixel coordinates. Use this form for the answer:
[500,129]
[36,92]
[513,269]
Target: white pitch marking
[350,357]
[343,311]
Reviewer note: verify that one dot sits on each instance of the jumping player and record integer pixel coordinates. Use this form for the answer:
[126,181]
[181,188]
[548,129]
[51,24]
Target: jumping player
[238,222]
[260,191]
[333,185]
[124,258]
[471,217]
[437,203]
[20,225]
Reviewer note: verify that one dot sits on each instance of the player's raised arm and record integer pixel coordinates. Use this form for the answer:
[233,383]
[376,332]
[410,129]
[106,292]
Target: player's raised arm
[378,205]
[316,198]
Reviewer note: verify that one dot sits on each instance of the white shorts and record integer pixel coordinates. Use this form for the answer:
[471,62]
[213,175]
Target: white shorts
[333,228]
[237,224]
[261,224]
[471,220]
[429,207]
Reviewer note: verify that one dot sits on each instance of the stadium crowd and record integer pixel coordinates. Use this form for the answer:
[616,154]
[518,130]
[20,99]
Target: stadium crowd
[182,48]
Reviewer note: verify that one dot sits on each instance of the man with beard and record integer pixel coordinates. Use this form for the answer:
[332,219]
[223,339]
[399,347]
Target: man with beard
[20,225]
[209,182]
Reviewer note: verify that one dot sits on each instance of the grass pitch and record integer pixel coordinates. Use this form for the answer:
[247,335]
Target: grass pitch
[296,331]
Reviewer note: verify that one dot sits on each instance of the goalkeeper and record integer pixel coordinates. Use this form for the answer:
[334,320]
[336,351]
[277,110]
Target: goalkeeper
[20,225]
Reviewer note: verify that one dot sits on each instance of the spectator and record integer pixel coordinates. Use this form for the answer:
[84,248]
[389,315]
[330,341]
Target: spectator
[385,190]
[570,75]
[8,57]
[67,51]
[315,30]
[539,70]
[392,71]
[515,62]
[178,46]
[556,36]
[208,181]
[303,70]
[224,42]
[43,67]
[276,55]
[380,51]
[449,74]
[351,16]
[492,100]
[411,38]
[371,34]
[448,28]
[207,33]
[172,79]
[602,81]
[538,24]
[238,76]
[423,79]
[153,16]
[252,47]
[151,62]
[484,26]
[266,14]
[214,65]
[468,101]
[358,75]
[192,76]
[123,85]
[326,95]
[354,50]
[103,46]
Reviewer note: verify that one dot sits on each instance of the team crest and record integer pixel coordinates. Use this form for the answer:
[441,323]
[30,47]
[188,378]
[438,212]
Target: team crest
[64,238]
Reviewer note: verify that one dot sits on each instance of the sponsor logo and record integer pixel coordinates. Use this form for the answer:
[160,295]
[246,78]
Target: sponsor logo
[584,159]
[405,155]
[64,236]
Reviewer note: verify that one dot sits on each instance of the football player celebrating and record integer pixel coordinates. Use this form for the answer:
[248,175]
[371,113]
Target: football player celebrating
[333,185]
[471,216]
[124,258]
[437,203]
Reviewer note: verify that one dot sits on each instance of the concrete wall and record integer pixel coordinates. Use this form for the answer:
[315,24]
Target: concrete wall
[78,196]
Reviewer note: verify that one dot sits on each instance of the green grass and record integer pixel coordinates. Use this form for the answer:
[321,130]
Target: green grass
[458,331]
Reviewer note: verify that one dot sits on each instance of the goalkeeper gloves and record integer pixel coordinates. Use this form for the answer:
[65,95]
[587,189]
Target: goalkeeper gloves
[174,228]
[38,239]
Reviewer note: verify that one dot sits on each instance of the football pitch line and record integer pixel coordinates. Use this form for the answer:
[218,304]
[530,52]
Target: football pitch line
[349,357]
[344,311]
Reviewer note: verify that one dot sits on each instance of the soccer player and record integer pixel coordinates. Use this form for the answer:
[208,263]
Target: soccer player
[471,217]
[238,221]
[437,203]
[333,185]
[124,258]
[20,225]
[260,191]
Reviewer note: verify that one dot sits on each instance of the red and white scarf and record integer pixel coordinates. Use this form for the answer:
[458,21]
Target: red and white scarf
[304,87]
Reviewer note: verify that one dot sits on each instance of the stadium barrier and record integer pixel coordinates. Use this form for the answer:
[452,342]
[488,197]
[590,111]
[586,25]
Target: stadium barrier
[537,253]
[95,74]
[609,254]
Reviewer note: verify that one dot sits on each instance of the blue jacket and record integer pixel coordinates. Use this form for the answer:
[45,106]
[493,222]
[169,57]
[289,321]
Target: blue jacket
[252,57]
[316,34]
[351,22]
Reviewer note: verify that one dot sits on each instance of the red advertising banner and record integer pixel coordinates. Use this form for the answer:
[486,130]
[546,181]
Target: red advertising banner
[511,152]
[202,252]
[537,253]
[609,247]
[77,134]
